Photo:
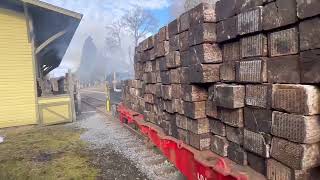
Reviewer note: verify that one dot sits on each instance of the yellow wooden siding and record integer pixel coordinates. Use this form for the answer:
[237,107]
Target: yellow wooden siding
[54,99]
[17,85]
[56,114]
[55,110]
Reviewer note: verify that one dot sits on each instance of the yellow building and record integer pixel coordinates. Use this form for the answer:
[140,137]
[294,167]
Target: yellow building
[34,37]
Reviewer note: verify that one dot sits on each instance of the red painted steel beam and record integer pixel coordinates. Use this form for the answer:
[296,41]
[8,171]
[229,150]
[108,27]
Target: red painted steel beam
[195,165]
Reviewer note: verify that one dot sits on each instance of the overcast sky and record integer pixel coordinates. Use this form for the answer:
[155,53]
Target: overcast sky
[98,14]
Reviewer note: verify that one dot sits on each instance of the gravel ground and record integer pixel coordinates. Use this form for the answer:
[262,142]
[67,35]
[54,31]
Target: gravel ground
[119,153]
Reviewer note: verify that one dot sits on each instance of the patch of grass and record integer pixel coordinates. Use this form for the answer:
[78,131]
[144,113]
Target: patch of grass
[45,153]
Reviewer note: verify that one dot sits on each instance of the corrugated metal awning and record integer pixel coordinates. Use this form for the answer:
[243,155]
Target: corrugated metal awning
[53,30]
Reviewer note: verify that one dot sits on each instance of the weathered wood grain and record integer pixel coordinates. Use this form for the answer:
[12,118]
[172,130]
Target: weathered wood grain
[199,141]
[296,128]
[309,31]
[219,145]
[237,154]
[299,99]
[194,93]
[259,95]
[195,110]
[258,120]
[256,143]
[284,69]
[198,126]
[279,13]
[229,96]
[204,73]
[217,127]
[284,42]
[296,156]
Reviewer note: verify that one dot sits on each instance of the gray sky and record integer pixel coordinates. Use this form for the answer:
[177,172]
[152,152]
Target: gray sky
[98,14]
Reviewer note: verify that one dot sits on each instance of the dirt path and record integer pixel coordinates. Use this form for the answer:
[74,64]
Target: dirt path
[120,154]
[94,147]
[111,163]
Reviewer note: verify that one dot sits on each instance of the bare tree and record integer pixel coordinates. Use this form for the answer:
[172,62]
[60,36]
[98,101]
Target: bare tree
[114,32]
[139,23]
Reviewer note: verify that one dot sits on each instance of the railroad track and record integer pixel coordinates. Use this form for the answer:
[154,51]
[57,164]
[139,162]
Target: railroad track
[93,101]
[134,143]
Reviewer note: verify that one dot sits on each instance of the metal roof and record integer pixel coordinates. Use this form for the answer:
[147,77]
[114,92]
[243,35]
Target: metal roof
[54,8]
[52,29]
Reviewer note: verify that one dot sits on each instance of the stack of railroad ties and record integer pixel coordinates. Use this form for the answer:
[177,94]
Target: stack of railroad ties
[240,78]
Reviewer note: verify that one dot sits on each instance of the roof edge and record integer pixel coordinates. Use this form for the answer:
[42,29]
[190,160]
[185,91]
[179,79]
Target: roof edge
[54,8]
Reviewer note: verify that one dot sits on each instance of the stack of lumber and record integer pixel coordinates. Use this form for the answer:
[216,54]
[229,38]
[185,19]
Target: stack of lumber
[240,78]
